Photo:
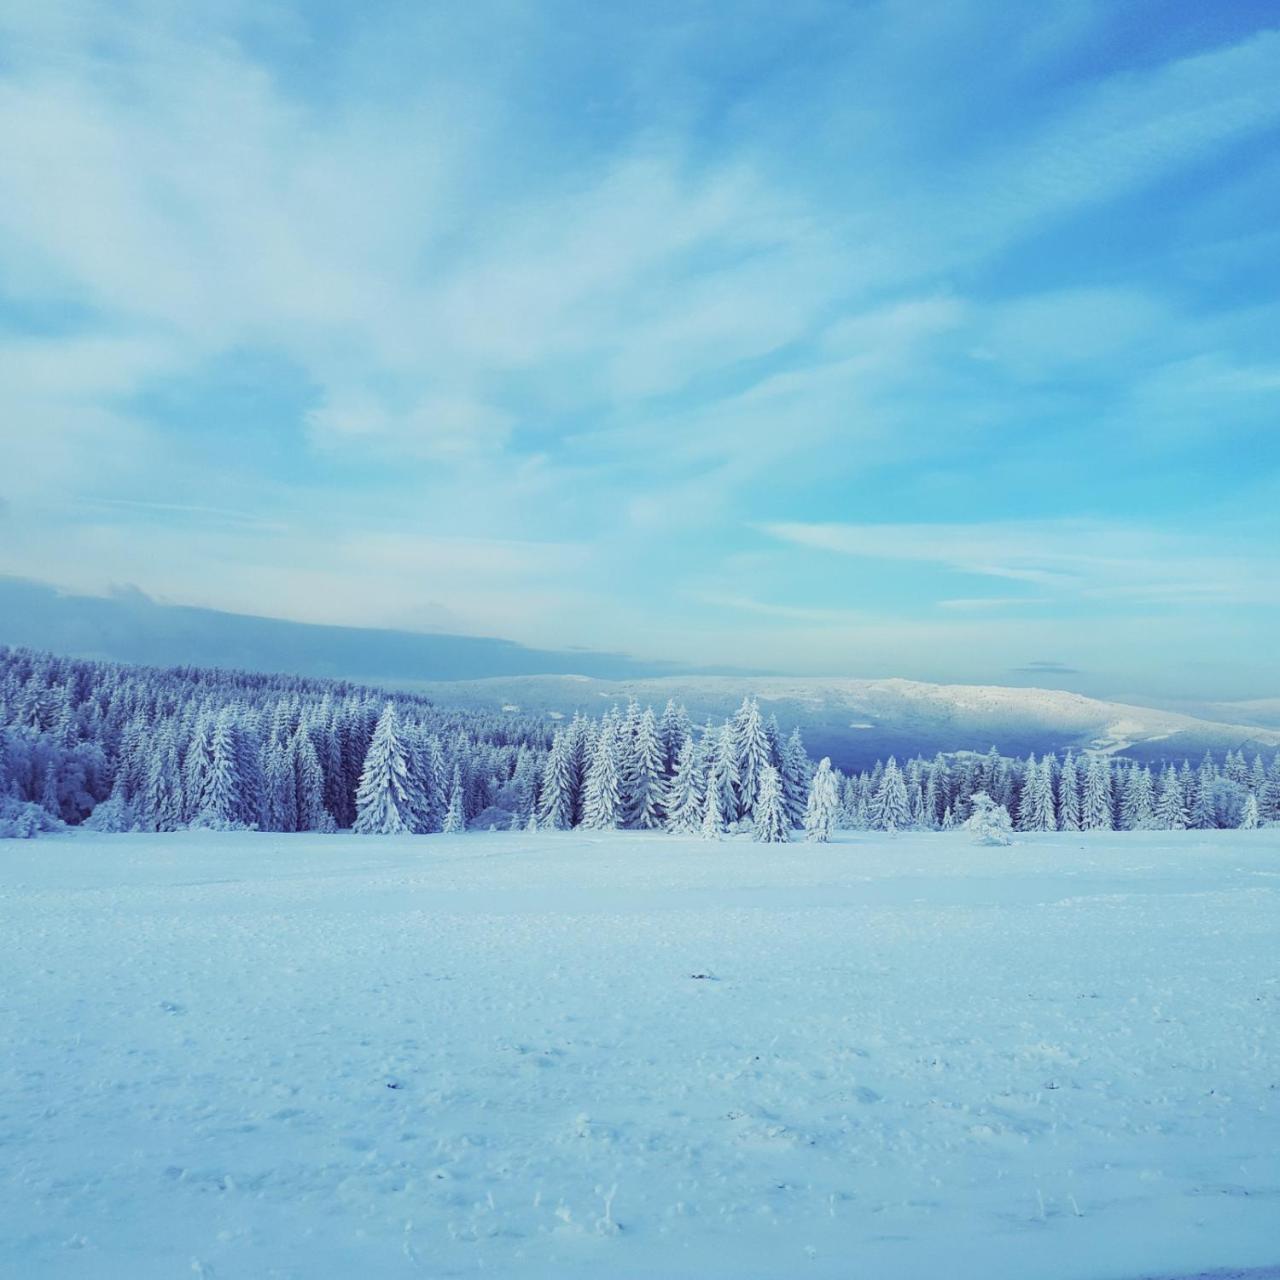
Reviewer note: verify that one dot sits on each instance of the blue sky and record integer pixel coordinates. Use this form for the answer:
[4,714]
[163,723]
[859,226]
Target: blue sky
[929,339]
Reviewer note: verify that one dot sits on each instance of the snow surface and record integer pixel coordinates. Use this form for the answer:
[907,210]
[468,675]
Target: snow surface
[560,1055]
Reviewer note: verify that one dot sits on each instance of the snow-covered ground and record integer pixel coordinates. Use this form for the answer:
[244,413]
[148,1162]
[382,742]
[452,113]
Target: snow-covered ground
[560,1055]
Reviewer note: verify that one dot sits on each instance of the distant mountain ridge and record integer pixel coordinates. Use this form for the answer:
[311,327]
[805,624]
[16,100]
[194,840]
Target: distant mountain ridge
[856,721]
[128,626]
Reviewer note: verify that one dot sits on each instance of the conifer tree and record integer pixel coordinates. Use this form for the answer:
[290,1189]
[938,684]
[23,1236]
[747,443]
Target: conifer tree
[220,802]
[602,806]
[1171,808]
[770,820]
[555,805]
[1203,806]
[796,770]
[386,800]
[685,801]
[713,823]
[455,820]
[309,784]
[823,804]
[1137,800]
[644,794]
[1095,808]
[1069,816]
[889,810]
[162,803]
[1249,815]
[752,745]
[1035,810]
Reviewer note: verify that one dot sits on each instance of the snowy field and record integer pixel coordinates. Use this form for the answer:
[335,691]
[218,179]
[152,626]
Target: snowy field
[563,1056]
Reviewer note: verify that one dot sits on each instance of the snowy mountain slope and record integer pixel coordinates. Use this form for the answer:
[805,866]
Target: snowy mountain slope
[854,721]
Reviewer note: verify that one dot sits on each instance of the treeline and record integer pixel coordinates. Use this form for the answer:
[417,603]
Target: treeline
[635,770]
[121,748]
[144,749]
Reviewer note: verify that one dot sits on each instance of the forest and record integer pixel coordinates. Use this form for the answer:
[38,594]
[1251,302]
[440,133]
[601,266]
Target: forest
[120,748]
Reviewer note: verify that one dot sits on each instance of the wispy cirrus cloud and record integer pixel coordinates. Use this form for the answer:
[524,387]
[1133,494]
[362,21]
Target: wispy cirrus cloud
[1064,559]
[557,276]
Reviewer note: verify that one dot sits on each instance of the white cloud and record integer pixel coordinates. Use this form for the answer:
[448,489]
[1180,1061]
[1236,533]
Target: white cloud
[1082,559]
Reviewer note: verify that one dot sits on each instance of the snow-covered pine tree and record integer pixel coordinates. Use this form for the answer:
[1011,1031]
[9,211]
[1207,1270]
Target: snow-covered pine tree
[770,818]
[752,745]
[221,802]
[1036,809]
[387,802]
[1069,818]
[713,822]
[1249,814]
[309,784]
[1269,799]
[1137,800]
[602,804]
[823,804]
[673,729]
[1095,808]
[195,766]
[937,791]
[555,804]
[1171,807]
[796,771]
[455,818]
[685,801]
[889,810]
[162,799]
[646,783]
[726,773]
[1203,807]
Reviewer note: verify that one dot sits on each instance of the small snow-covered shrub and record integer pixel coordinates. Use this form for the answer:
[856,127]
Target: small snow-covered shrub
[990,822]
[22,819]
[113,816]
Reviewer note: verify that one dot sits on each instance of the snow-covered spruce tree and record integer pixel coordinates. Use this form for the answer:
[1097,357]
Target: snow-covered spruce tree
[555,805]
[387,802]
[726,773]
[770,820]
[162,798]
[1249,814]
[644,792]
[713,820]
[937,792]
[752,745]
[989,822]
[889,810]
[673,729]
[1137,800]
[219,802]
[1171,807]
[455,819]
[1203,807]
[823,804]
[1069,795]
[309,783]
[1269,798]
[602,806]
[1095,808]
[1035,809]
[685,800]
[796,771]
[195,767]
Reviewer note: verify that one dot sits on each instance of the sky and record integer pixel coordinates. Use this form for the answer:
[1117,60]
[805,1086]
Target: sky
[938,340]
